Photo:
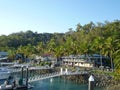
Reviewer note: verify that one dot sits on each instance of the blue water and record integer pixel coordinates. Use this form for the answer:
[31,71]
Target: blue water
[59,84]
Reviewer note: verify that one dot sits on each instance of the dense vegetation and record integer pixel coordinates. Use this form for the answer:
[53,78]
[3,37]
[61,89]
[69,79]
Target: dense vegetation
[103,38]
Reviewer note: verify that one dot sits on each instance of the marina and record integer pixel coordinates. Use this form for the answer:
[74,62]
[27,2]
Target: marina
[25,78]
[9,81]
[22,78]
[4,73]
[58,83]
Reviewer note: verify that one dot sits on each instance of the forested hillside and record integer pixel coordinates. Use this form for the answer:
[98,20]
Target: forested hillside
[14,40]
[102,38]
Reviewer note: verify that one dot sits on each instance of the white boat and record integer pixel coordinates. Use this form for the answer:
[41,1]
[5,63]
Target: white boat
[30,86]
[4,73]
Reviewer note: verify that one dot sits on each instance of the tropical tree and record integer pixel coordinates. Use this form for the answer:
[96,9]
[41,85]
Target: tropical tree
[12,53]
[39,48]
[51,46]
[97,46]
[110,49]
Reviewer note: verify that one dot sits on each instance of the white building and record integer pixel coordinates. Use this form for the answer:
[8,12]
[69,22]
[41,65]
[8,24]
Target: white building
[73,61]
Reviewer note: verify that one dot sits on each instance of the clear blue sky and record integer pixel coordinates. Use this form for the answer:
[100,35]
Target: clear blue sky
[54,15]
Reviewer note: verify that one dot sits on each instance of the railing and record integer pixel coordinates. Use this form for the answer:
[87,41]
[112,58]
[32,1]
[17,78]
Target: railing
[30,68]
[56,74]
[49,75]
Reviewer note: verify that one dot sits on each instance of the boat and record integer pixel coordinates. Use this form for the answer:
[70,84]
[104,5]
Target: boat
[30,86]
[19,87]
[5,73]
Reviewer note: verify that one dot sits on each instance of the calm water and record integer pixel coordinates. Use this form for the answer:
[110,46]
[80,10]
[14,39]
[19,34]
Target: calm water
[59,84]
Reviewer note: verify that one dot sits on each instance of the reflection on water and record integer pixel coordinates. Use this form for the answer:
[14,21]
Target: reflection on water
[59,84]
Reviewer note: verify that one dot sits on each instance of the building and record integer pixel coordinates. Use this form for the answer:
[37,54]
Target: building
[3,56]
[94,60]
[76,61]
[99,60]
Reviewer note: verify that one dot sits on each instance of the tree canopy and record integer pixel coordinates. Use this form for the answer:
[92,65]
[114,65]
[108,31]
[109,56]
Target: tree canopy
[101,38]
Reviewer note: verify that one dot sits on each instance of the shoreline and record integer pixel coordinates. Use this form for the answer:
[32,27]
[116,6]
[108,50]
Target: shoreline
[102,81]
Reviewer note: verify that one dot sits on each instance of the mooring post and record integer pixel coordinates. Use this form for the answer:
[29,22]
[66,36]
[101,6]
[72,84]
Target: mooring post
[22,73]
[61,70]
[66,70]
[27,77]
[91,83]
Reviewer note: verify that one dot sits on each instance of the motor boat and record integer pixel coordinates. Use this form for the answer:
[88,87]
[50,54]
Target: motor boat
[4,73]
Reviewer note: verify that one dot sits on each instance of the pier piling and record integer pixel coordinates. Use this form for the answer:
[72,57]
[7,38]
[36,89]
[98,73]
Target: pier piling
[27,77]
[91,83]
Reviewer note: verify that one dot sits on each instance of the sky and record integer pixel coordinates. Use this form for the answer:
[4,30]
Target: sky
[54,16]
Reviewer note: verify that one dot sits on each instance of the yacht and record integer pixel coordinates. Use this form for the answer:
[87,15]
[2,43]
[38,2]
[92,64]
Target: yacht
[4,73]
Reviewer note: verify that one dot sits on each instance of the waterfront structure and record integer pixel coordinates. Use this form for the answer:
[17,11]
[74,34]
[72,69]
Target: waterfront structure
[17,84]
[76,61]
[3,56]
[94,60]
[6,64]
[91,83]
[99,60]
[62,72]
[4,73]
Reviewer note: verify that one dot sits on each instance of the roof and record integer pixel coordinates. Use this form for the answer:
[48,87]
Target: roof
[3,53]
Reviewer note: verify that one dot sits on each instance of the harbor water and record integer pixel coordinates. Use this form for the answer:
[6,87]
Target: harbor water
[59,84]
[56,83]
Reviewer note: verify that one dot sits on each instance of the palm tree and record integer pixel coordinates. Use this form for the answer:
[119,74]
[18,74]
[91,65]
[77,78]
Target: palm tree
[12,53]
[51,46]
[97,45]
[39,48]
[110,49]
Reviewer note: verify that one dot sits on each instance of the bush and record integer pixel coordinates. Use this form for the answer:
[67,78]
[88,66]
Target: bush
[115,87]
